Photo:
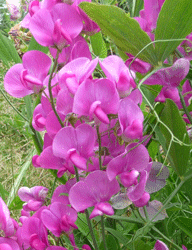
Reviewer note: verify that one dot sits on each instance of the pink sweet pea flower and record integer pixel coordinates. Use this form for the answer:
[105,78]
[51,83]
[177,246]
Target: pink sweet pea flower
[27,78]
[159,245]
[137,65]
[170,79]
[56,27]
[131,159]
[96,190]
[75,72]
[117,72]
[6,223]
[59,218]
[35,197]
[149,16]
[131,119]
[56,248]
[78,48]
[96,99]
[8,244]
[75,145]
[32,234]
[40,113]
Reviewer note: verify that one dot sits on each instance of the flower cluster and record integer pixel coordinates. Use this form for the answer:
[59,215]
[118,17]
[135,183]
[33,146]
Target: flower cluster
[93,127]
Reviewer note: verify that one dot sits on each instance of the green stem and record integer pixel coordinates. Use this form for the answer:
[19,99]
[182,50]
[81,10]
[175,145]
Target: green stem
[103,232]
[166,239]
[185,107]
[128,219]
[50,90]
[76,174]
[146,213]
[91,230]
[10,103]
[99,141]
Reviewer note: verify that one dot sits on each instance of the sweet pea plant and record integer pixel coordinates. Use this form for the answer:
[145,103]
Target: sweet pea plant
[116,127]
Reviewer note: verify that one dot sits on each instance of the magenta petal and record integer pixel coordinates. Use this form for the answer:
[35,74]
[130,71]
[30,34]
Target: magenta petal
[41,26]
[51,222]
[96,212]
[78,160]
[37,64]
[13,84]
[10,242]
[138,190]
[52,124]
[68,16]
[172,76]
[106,208]
[159,245]
[85,135]
[64,101]
[116,166]
[143,200]
[64,140]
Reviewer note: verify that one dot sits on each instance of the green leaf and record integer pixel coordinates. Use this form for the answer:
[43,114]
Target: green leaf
[98,45]
[179,154]
[141,245]
[176,25]
[8,52]
[34,45]
[110,242]
[185,224]
[3,192]
[153,149]
[118,235]
[122,29]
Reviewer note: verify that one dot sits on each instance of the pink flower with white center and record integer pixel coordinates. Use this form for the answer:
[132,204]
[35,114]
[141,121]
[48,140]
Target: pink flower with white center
[117,72]
[56,28]
[27,78]
[96,190]
[96,99]
[75,72]
[75,144]
[35,197]
[6,223]
[59,218]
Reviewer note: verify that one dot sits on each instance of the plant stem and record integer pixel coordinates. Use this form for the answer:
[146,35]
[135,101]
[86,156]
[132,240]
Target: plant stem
[167,239]
[146,213]
[50,90]
[103,232]
[91,230]
[99,141]
[10,103]
[185,107]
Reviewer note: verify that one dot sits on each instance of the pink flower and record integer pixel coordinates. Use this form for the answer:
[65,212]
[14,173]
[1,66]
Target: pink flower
[27,78]
[96,190]
[75,145]
[35,197]
[96,99]
[56,27]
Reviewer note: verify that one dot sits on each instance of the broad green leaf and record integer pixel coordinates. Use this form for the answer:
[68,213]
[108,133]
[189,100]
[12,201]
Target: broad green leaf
[185,224]
[98,45]
[179,154]
[153,149]
[122,29]
[8,52]
[110,242]
[34,45]
[118,235]
[174,22]
[141,245]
